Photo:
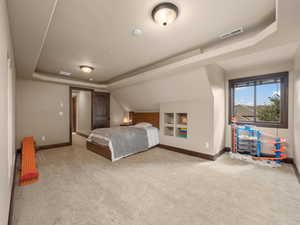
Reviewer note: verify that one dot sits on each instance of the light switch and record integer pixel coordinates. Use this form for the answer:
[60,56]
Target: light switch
[61,113]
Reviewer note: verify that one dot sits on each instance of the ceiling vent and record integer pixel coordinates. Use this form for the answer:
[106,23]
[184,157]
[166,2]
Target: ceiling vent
[64,73]
[232,33]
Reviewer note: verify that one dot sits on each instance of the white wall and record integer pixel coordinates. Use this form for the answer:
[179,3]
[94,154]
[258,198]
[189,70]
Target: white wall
[216,77]
[297,109]
[268,133]
[42,110]
[84,112]
[7,114]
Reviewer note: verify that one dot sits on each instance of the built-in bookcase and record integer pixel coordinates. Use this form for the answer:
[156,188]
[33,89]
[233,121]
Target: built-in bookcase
[176,124]
[169,124]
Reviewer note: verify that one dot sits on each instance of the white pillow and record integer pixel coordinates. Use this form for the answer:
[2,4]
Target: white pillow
[143,124]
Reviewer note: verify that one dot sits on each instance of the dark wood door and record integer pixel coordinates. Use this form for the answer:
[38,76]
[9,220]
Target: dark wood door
[101,112]
[74,114]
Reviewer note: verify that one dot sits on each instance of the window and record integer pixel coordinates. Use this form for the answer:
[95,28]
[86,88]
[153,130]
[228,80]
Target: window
[260,100]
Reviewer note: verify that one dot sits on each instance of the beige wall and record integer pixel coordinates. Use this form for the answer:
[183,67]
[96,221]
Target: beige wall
[194,89]
[182,84]
[297,109]
[7,114]
[84,110]
[117,112]
[285,133]
[199,123]
[206,113]
[42,110]
[38,112]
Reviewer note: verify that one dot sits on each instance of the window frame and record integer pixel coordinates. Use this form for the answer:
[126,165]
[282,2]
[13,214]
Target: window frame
[284,97]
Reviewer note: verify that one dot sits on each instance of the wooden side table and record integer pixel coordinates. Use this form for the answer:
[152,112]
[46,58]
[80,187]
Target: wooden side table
[125,124]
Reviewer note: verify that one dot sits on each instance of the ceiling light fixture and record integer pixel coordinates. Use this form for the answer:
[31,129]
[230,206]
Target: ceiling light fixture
[165,13]
[86,69]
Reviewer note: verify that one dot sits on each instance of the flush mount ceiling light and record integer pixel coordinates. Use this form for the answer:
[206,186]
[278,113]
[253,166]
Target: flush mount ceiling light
[86,69]
[165,13]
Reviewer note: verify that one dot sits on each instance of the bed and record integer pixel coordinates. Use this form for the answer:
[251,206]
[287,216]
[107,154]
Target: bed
[119,142]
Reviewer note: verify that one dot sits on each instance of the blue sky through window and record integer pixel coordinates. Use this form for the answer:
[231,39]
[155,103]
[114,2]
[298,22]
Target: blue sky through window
[245,95]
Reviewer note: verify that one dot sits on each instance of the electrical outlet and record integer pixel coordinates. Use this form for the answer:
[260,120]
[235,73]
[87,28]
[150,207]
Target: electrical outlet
[43,138]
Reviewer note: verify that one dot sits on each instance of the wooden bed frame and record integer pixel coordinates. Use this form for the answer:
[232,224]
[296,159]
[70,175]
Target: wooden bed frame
[103,150]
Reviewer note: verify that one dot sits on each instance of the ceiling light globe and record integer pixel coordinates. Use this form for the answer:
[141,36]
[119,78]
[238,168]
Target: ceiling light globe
[86,69]
[165,13]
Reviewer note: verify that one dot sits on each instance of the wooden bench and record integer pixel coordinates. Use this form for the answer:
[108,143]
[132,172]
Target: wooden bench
[29,172]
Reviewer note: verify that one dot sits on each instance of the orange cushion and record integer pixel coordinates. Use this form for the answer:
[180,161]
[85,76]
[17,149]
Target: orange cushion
[28,165]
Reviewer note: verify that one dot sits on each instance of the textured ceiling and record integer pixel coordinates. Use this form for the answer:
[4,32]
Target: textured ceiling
[99,33]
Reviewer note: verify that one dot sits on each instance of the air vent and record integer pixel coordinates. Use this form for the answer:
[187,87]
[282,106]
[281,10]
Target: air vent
[64,73]
[232,33]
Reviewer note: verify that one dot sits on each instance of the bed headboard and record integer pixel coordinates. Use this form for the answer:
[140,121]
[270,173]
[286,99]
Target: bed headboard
[149,117]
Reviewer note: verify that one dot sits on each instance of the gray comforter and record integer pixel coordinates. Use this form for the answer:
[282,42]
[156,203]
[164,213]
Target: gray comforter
[124,140]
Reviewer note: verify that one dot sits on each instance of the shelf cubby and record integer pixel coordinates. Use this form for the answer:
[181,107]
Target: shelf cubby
[181,132]
[169,131]
[176,124]
[169,119]
[182,119]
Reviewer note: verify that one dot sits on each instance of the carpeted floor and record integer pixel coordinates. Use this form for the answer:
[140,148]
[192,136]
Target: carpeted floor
[158,187]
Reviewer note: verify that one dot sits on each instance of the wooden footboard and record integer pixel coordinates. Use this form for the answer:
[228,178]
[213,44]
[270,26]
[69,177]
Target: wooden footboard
[99,149]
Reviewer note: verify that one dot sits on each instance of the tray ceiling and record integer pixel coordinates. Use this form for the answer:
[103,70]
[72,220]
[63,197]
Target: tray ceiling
[99,33]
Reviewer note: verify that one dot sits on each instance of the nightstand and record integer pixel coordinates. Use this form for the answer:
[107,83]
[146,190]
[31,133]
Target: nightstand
[125,124]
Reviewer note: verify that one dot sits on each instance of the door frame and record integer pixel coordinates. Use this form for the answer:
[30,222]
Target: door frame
[106,94]
[70,108]
[74,114]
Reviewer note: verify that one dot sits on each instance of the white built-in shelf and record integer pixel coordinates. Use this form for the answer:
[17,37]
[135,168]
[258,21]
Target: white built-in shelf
[169,118]
[169,131]
[169,125]
[176,124]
